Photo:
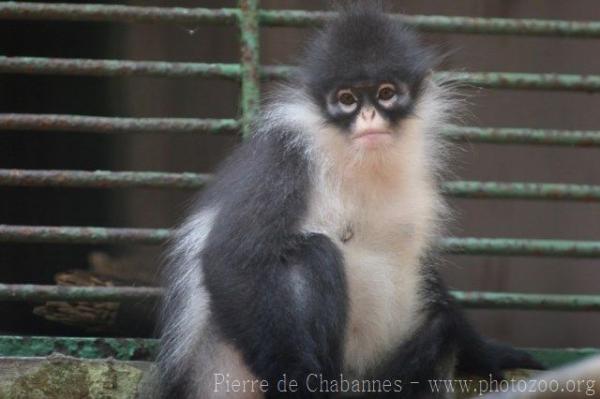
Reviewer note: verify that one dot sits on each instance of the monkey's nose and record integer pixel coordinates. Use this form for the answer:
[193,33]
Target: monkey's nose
[368,115]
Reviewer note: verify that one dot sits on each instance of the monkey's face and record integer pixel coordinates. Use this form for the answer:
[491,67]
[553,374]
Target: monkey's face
[369,112]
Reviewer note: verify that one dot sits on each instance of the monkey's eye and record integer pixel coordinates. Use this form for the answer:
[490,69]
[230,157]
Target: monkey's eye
[386,92]
[347,100]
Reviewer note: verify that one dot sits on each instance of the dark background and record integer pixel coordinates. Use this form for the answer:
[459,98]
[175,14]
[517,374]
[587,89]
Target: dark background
[155,97]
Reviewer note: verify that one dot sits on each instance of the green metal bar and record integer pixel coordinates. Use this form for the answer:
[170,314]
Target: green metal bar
[88,348]
[91,67]
[110,179]
[82,235]
[448,24]
[249,40]
[101,179]
[298,18]
[35,292]
[116,13]
[79,123]
[112,125]
[509,300]
[461,246]
[469,299]
[145,349]
[533,191]
[521,247]
[579,138]
[87,67]
[556,357]
[523,81]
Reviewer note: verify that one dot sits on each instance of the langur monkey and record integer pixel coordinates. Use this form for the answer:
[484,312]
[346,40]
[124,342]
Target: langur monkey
[308,258]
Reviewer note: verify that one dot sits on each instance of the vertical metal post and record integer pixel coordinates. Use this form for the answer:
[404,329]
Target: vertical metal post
[250,82]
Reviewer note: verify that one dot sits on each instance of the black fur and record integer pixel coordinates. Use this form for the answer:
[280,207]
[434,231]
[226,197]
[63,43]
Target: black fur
[446,337]
[364,46]
[279,296]
[255,256]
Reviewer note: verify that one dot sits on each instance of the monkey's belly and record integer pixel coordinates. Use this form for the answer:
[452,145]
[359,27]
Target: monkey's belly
[384,306]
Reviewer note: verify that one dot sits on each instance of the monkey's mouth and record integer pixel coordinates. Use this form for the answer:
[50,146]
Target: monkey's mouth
[371,138]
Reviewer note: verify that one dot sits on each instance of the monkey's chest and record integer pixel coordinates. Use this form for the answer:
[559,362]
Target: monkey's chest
[382,244]
[384,303]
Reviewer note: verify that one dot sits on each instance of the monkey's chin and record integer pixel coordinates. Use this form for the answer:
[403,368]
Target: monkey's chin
[373,140]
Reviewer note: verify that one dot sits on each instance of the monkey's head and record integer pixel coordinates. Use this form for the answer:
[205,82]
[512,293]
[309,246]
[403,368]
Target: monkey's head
[366,71]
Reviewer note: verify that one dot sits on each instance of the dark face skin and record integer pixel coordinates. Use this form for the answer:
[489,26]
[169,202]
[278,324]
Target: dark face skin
[389,100]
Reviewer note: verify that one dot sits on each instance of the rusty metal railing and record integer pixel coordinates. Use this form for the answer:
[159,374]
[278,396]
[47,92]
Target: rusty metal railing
[249,18]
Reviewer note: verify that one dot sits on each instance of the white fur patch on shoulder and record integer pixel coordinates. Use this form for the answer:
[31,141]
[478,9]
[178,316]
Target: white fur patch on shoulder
[187,289]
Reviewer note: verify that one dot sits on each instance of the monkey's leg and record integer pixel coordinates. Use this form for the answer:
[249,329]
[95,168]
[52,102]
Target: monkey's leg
[428,355]
[286,314]
[486,357]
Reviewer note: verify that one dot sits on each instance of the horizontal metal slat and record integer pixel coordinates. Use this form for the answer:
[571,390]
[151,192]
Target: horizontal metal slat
[510,300]
[469,299]
[461,246]
[145,349]
[116,13]
[297,18]
[507,135]
[533,191]
[84,347]
[98,124]
[36,292]
[82,235]
[112,125]
[89,67]
[521,247]
[158,180]
[93,67]
[101,179]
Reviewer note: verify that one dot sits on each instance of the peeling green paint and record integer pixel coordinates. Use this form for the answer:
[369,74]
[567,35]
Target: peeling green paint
[114,125]
[249,39]
[158,180]
[59,377]
[82,347]
[249,71]
[298,18]
[145,349]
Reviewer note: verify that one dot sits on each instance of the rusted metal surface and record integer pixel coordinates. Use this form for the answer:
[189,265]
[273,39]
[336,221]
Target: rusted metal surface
[36,292]
[101,179]
[249,62]
[95,124]
[116,13]
[523,81]
[83,347]
[450,24]
[510,300]
[499,135]
[533,191]
[161,180]
[144,349]
[495,80]
[114,125]
[82,235]
[464,246]
[91,67]
[521,247]
[299,18]
[469,299]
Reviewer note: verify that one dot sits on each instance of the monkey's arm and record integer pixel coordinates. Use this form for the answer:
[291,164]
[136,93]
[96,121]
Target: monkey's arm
[277,295]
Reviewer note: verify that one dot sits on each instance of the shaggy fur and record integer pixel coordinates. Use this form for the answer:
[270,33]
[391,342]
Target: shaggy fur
[308,254]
